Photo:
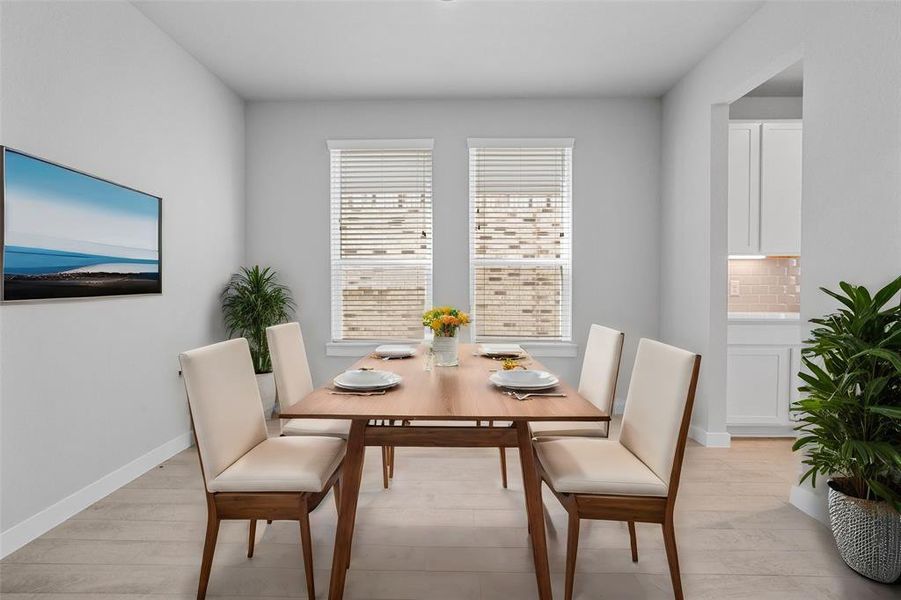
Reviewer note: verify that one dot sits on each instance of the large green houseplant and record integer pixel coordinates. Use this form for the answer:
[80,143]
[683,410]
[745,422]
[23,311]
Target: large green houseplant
[850,423]
[253,300]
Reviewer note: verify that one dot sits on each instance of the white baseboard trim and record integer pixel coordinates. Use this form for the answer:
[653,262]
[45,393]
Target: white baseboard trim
[36,525]
[786,431]
[710,439]
[809,502]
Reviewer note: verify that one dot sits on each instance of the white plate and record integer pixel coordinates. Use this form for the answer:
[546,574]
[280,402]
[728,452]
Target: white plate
[366,380]
[393,351]
[519,379]
[501,350]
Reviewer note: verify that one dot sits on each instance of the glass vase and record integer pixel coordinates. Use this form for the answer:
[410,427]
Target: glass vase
[445,350]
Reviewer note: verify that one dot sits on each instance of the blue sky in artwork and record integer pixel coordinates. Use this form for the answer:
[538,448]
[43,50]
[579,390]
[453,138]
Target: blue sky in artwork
[51,181]
[57,220]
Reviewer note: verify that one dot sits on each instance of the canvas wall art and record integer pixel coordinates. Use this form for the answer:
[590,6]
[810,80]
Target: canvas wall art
[67,234]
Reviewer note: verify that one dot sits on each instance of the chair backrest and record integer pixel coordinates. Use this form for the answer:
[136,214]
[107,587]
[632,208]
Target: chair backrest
[658,406]
[225,403]
[600,367]
[289,363]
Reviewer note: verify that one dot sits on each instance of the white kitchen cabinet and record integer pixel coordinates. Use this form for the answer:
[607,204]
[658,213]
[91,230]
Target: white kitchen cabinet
[744,188]
[780,189]
[764,203]
[758,385]
[762,360]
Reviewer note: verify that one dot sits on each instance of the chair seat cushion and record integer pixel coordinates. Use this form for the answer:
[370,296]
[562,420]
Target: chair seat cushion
[329,427]
[581,465]
[568,428]
[283,464]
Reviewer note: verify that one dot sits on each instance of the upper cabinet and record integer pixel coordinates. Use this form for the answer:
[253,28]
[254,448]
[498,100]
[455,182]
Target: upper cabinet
[744,188]
[780,188]
[765,188]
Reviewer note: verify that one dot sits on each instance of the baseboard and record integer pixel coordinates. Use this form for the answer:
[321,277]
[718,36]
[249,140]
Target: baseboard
[36,525]
[811,503]
[786,431]
[710,439]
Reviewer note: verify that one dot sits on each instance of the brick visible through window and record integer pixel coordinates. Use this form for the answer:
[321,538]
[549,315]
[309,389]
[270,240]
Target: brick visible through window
[520,200]
[381,213]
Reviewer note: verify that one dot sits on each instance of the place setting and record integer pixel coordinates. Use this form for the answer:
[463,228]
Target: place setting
[501,351]
[394,351]
[523,383]
[365,381]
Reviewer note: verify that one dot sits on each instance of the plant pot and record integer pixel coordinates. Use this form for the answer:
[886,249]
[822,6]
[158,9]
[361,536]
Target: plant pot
[445,350]
[868,535]
[266,383]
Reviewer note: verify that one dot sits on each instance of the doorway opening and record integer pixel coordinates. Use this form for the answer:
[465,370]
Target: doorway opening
[763,287]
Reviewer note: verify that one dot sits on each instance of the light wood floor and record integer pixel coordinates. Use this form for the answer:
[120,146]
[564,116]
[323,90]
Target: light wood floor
[446,530]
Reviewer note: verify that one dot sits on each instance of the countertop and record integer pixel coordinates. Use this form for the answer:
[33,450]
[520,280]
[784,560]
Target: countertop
[791,318]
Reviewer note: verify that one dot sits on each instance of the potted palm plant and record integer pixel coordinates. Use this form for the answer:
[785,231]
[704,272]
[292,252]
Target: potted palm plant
[253,300]
[850,425]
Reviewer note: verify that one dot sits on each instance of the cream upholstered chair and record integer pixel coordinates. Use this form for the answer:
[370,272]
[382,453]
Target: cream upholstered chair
[597,383]
[600,370]
[636,477]
[293,382]
[245,474]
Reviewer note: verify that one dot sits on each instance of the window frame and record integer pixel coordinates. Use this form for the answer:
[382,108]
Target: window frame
[546,343]
[340,346]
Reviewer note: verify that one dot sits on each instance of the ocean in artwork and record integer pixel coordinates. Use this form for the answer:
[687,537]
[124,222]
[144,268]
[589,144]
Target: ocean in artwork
[67,234]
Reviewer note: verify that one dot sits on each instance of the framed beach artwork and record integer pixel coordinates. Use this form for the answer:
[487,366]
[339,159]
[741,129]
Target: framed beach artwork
[67,234]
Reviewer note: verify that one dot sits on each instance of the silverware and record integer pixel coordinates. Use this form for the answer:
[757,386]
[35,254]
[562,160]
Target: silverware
[529,395]
[378,393]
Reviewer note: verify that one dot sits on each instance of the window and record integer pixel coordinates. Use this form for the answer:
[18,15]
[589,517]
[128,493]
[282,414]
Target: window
[520,206]
[381,238]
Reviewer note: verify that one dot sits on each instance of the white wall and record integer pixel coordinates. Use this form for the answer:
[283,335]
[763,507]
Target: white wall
[615,198]
[766,107]
[89,386]
[852,167]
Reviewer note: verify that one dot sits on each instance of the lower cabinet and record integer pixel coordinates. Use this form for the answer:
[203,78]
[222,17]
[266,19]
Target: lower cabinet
[761,384]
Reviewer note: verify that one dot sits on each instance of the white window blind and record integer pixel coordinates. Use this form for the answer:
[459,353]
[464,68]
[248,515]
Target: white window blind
[381,238]
[520,198]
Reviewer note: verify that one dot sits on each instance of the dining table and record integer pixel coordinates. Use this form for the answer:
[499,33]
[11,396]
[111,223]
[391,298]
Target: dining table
[459,396]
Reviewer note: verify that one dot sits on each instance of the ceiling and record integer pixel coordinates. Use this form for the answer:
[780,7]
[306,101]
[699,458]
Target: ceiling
[789,82]
[339,49]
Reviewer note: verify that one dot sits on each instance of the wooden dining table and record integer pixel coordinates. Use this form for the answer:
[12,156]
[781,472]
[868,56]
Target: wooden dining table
[454,394]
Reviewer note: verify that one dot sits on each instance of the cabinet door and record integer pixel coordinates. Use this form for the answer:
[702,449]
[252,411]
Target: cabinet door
[757,385]
[780,189]
[744,188]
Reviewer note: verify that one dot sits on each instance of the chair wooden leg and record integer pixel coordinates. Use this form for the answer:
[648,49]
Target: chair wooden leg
[572,548]
[337,491]
[251,537]
[633,541]
[385,460]
[209,547]
[306,543]
[391,450]
[672,556]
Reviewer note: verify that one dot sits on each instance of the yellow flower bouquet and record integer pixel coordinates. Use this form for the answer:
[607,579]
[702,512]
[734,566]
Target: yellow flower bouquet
[444,320]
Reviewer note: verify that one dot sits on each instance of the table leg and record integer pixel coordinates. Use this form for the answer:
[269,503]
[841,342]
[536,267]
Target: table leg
[532,490]
[351,475]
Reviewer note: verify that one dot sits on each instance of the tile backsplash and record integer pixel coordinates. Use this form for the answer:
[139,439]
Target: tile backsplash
[772,284]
